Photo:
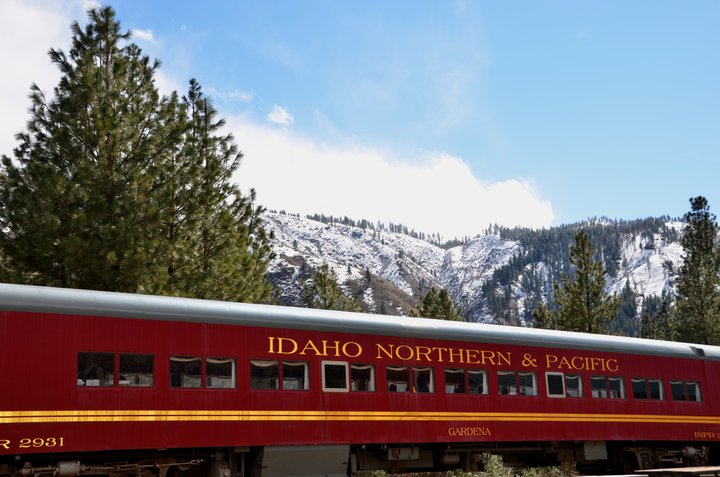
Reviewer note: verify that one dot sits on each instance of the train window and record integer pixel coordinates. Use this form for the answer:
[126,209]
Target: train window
[220,373]
[398,379]
[563,385]
[512,383]
[423,380]
[611,387]
[477,380]
[528,384]
[555,384]
[647,389]
[335,376]
[685,391]
[185,372]
[455,381]
[136,370]
[507,383]
[96,369]
[573,385]
[362,377]
[264,374]
[295,375]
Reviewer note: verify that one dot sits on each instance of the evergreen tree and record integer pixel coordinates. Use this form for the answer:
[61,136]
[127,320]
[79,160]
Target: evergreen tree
[582,302]
[658,326]
[439,305]
[114,187]
[698,287]
[542,317]
[225,248]
[626,322]
[322,291]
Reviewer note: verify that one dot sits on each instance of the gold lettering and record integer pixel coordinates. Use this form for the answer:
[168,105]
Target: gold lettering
[580,366]
[487,356]
[505,358]
[5,444]
[271,344]
[407,355]
[423,353]
[471,356]
[469,431]
[311,346]
[581,363]
[387,353]
[282,342]
[358,349]
[564,363]
[456,353]
[440,352]
[335,347]
[612,365]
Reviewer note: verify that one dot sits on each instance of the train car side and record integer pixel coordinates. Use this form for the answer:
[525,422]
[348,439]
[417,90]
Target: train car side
[83,385]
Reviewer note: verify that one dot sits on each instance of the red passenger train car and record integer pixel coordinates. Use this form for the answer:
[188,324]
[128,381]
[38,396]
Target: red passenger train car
[110,383]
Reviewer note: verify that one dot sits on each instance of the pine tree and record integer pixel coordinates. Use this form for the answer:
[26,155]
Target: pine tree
[582,302]
[698,287]
[322,291]
[439,305]
[658,326]
[543,318]
[217,248]
[626,322]
[114,187]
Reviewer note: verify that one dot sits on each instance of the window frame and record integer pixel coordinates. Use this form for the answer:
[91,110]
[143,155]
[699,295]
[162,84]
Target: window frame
[485,384]
[371,383]
[186,358]
[566,378]
[518,385]
[685,388]
[261,364]
[285,380]
[559,374]
[103,382]
[327,389]
[233,374]
[419,374]
[607,389]
[407,382]
[136,374]
[463,381]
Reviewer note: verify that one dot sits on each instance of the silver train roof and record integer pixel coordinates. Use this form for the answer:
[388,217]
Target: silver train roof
[85,302]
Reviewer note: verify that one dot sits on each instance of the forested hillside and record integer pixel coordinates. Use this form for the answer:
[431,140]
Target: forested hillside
[500,276]
[545,257]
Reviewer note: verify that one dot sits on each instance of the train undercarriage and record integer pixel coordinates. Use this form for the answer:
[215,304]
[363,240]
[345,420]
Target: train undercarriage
[588,457]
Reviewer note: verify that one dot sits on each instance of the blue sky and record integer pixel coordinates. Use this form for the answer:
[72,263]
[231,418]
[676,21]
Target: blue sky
[445,116]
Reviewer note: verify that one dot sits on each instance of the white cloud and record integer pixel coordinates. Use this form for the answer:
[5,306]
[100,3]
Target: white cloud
[166,84]
[437,194]
[23,49]
[280,116]
[144,35]
[236,95]
[242,95]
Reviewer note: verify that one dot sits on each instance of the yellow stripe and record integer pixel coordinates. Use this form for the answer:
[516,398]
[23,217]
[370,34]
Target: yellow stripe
[20,417]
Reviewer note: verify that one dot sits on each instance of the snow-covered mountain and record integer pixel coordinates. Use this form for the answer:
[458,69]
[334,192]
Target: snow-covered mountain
[389,272]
